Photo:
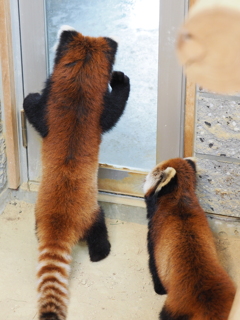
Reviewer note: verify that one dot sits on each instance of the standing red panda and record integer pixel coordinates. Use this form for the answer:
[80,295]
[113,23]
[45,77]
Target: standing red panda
[182,255]
[71,114]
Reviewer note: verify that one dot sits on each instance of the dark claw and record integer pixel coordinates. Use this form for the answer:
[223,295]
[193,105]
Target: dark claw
[119,78]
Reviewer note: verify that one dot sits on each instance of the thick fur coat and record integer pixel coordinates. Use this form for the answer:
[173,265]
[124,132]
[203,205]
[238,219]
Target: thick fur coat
[75,108]
[182,256]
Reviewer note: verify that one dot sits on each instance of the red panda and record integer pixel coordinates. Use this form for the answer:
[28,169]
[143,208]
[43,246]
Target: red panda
[75,108]
[183,259]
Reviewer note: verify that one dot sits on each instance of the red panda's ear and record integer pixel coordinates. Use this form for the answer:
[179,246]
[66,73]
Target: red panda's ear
[157,178]
[166,177]
[192,161]
[67,36]
[112,44]
[64,36]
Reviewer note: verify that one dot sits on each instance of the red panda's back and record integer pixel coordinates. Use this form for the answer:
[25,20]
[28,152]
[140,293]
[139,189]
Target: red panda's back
[189,269]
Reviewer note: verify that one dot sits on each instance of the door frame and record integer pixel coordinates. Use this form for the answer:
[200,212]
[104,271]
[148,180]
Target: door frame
[9,95]
[171,107]
[29,15]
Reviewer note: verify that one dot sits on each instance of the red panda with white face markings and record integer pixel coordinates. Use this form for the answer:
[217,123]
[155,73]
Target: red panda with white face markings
[75,108]
[182,256]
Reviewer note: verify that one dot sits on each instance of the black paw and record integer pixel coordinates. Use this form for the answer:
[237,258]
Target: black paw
[158,286]
[159,289]
[119,78]
[30,102]
[49,316]
[30,99]
[99,251]
[35,110]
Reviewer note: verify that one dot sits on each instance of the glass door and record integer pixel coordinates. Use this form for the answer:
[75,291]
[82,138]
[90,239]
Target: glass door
[133,147]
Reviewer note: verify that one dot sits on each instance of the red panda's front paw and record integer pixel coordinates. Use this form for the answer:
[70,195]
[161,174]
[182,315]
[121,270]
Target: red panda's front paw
[119,78]
[32,97]
[31,100]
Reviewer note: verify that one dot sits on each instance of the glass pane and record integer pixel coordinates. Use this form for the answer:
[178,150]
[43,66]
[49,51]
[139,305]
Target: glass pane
[134,25]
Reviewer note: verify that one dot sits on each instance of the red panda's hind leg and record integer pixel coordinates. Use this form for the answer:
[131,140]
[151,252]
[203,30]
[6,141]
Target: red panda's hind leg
[97,238]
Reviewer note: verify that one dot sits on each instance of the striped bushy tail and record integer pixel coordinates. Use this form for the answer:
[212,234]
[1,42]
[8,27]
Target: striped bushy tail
[53,273]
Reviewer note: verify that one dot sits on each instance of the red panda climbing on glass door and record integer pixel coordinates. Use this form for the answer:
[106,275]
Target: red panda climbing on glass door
[75,108]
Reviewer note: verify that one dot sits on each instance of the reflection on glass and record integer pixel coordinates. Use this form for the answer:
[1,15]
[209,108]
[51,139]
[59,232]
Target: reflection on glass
[134,25]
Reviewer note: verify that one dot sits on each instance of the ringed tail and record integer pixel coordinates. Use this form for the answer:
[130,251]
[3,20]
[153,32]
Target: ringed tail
[53,274]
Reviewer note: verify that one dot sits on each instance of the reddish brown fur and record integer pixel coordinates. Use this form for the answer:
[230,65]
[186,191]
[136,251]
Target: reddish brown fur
[71,186]
[185,253]
[67,201]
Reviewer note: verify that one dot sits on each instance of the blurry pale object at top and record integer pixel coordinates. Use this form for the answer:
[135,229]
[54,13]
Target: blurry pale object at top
[208,45]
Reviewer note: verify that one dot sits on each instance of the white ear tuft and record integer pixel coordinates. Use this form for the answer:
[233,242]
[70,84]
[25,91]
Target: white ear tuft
[115,38]
[158,178]
[167,176]
[60,31]
[64,28]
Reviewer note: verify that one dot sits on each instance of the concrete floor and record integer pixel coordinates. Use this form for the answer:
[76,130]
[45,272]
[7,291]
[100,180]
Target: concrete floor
[118,287]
